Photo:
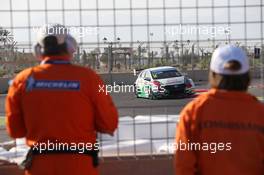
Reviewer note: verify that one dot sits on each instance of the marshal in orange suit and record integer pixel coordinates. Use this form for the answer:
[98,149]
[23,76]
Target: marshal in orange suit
[59,102]
[223,128]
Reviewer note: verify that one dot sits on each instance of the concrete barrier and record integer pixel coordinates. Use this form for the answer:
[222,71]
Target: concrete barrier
[148,165]
[2,105]
[195,75]
[119,78]
[7,168]
[3,85]
[142,165]
[129,78]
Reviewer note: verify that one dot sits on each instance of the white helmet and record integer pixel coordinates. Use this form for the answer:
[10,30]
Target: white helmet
[60,32]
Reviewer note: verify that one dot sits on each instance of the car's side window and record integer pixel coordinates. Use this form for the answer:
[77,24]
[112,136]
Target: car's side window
[140,74]
[143,74]
[147,75]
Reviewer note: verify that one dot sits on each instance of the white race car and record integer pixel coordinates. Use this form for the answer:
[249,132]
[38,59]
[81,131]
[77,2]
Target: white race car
[166,81]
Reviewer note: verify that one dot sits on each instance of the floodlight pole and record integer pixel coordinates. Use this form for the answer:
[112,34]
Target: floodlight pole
[110,53]
[110,56]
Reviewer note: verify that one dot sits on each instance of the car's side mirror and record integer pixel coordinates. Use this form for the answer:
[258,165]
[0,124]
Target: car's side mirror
[147,79]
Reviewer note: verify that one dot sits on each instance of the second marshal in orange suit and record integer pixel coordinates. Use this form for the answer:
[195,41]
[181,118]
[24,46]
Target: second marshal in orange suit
[58,102]
[224,128]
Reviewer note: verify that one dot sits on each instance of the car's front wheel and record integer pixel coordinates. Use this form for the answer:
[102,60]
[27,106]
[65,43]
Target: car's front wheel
[152,96]
[136,91]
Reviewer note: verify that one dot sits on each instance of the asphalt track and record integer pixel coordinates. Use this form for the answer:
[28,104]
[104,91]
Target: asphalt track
[129,105]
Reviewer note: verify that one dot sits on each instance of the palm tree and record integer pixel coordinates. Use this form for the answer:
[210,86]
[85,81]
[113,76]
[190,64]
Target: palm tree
[7,44]
[5,36]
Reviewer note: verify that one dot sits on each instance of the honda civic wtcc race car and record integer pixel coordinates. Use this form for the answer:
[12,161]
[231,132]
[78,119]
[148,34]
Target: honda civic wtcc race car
[160,82]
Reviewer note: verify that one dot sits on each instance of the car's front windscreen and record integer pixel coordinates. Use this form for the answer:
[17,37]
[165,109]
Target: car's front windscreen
[162,74]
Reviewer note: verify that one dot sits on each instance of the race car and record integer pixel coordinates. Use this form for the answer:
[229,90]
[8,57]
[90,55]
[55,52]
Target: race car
[160,82]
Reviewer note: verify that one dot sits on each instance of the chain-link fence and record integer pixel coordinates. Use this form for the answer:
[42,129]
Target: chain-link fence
[142,131]
[121,35]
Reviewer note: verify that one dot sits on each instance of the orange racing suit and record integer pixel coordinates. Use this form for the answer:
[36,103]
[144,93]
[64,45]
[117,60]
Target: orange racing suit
[59,102]
[225,134]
